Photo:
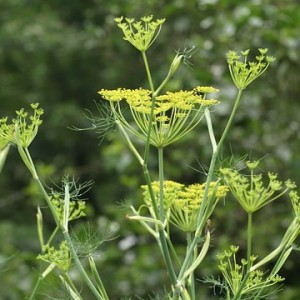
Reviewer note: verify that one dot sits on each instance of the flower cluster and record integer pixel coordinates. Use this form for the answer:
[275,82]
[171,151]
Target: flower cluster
[244,72]
[250,191]
[184,202]
[20,131]
[60,257]
[141,34]
[173,115]
[171,190]
[234,274]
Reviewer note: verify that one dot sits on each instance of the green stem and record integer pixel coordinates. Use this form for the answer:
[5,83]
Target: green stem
[280,261]
[159,214]
[203,208]
[143,164]
[161,184]
[148,71]
[67,280]
[249,239]
[147,145]
[167,257]
[60,225]
[70,243]
[97,278]
[53,235]
[230,120]
[129,143]
[241,287]
[191,277]
[36,286]
[162,236]
[151,192]
[41,277]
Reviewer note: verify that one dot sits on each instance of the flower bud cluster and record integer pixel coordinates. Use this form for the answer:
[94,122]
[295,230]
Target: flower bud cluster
[243,72]
[141,34]
[23,129]
[250,191]
[235,273]
[60,257]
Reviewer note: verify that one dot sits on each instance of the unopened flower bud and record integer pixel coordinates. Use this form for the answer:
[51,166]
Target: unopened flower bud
[175,64]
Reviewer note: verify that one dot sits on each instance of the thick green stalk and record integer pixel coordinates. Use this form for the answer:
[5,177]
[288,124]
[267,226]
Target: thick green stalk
[143,164]
[161,184]
[202,222]
[167,257]
[158,212]
[191,279]
[147,146]
[151,192]
[249,239]
[216,150]
[162,236]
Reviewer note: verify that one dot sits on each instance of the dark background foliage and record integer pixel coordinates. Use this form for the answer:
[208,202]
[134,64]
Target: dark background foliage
[60,53]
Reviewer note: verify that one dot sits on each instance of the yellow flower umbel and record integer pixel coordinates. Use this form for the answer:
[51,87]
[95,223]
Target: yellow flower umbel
[244,72]
[171,189]
[182,203]
[141,34]
[250,191]
[174,114]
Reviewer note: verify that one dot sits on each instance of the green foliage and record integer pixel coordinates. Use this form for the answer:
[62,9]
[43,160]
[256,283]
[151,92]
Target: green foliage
[60,53]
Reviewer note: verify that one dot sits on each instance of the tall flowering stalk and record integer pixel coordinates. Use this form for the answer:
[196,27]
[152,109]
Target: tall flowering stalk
[160,120]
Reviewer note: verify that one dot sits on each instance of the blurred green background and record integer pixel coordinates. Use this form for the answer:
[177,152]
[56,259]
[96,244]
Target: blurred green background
[60,53]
